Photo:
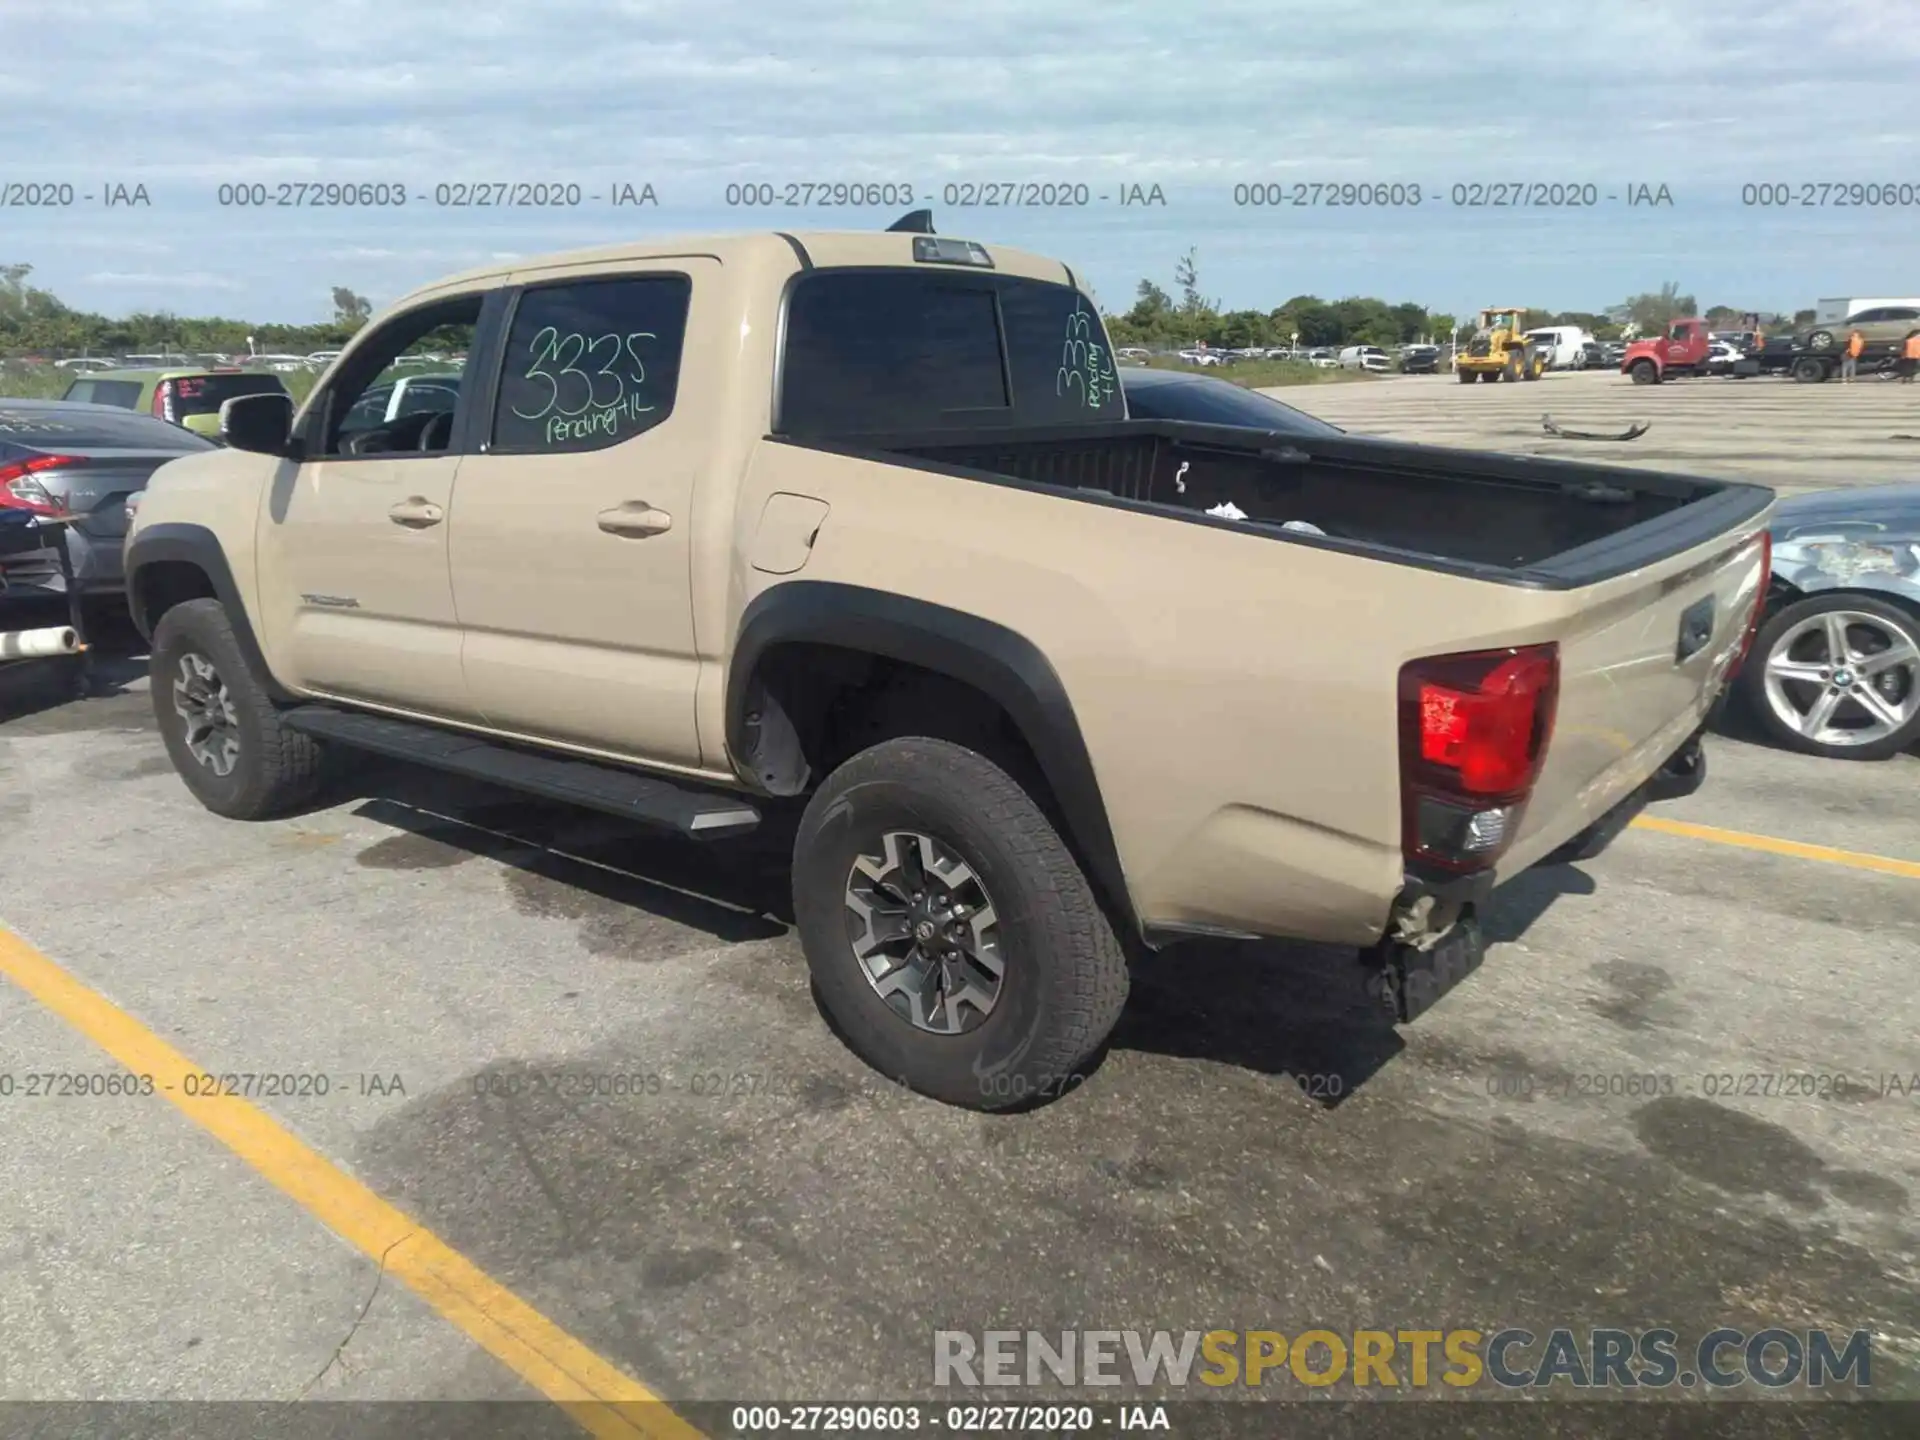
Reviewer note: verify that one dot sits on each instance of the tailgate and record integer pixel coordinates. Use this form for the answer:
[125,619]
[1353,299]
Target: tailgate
[1643,656]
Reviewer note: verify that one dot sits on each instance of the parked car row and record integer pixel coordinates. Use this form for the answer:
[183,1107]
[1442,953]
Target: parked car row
[277,364]
[1410,359]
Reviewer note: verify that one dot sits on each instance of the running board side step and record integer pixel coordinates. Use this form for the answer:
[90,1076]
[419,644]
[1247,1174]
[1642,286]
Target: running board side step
[645,799]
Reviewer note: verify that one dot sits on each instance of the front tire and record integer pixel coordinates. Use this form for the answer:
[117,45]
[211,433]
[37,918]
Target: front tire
[952,937]
[222,730]
[1837,675]
[1645,372]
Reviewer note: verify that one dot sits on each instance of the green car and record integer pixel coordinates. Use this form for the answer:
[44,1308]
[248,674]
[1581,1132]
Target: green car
[188,398]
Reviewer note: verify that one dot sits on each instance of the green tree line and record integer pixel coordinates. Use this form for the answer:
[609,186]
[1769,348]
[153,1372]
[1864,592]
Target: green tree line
[1162,320]
[33,321]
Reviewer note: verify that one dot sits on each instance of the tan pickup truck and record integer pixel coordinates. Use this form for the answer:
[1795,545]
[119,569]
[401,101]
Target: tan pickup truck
[855,528]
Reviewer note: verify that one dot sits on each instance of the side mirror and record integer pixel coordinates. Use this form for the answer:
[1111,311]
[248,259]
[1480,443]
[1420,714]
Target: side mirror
[260,423]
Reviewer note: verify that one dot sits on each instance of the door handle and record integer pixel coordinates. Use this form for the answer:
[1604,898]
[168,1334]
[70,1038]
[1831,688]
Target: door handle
[635,517]
[416,511]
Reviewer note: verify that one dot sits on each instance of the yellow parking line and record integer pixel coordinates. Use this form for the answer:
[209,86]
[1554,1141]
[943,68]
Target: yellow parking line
[1858,860]
[596,1393]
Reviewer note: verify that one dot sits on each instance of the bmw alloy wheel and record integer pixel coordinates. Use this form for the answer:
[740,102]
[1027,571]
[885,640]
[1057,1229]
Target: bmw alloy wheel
[1844,677]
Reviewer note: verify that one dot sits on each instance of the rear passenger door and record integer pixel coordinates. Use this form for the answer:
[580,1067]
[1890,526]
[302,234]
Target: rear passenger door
[571,530]
[1892,325]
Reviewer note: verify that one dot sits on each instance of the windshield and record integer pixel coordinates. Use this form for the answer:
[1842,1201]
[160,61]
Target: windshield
[1222,402]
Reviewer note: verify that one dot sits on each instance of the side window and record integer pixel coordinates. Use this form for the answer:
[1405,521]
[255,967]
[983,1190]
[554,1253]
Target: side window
[892,350]
[591,364]
[124,393]
[1903,316]
[1063,370]
[355,411]
[1867,317]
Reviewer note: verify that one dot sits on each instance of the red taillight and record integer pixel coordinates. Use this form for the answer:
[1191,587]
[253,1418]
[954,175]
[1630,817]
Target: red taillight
[1759,603]
[20,491]
[1473,733]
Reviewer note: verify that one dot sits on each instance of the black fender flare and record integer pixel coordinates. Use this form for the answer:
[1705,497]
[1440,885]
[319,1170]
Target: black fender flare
[198,546]
[1000,663]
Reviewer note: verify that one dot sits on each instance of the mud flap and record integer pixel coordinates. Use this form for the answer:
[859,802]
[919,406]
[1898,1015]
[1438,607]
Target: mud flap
[1409,981]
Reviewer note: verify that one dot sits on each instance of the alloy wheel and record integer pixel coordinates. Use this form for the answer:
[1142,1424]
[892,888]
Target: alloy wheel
[205,706]
[925,933]
[1844,678]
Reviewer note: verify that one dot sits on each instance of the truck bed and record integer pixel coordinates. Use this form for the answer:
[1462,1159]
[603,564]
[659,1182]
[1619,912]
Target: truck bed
[1515,519]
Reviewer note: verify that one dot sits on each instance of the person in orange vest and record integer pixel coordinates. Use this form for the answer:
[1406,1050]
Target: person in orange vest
[1856,342]
[1910,357]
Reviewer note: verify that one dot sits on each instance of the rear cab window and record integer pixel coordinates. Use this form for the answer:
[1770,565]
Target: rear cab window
[872,351]
[591,363]
[205,394]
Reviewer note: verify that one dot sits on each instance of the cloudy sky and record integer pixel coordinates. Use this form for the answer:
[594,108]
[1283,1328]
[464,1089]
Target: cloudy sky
[1196,97]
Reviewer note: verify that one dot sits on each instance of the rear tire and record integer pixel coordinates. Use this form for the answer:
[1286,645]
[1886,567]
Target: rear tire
[1802,633]
[1062,979]
[221,729]
[1809,371]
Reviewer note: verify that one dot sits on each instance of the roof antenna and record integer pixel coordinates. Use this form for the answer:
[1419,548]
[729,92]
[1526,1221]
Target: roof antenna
[914,222]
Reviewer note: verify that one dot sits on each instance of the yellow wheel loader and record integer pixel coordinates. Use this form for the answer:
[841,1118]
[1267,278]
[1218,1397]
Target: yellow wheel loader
[1498,351]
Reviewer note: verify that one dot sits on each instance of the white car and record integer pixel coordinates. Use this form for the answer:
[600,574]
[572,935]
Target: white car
[1201,357]
[320,359]
[90,362]
[1364,357]
[1720,358]
[407,395]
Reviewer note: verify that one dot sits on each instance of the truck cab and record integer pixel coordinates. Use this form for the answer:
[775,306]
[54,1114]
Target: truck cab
[1685,349]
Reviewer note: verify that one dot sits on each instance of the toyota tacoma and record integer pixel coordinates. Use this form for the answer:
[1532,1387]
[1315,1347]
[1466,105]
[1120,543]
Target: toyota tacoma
[856,528]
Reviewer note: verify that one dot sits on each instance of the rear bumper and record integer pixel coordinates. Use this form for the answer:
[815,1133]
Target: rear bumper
[1435,940]
[1684,772]
[97,567]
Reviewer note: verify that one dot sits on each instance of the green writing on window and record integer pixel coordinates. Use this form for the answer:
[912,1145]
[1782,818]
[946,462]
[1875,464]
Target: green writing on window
[1086,365]
[594,384]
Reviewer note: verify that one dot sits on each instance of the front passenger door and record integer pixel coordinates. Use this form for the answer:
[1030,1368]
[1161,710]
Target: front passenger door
[356,595]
